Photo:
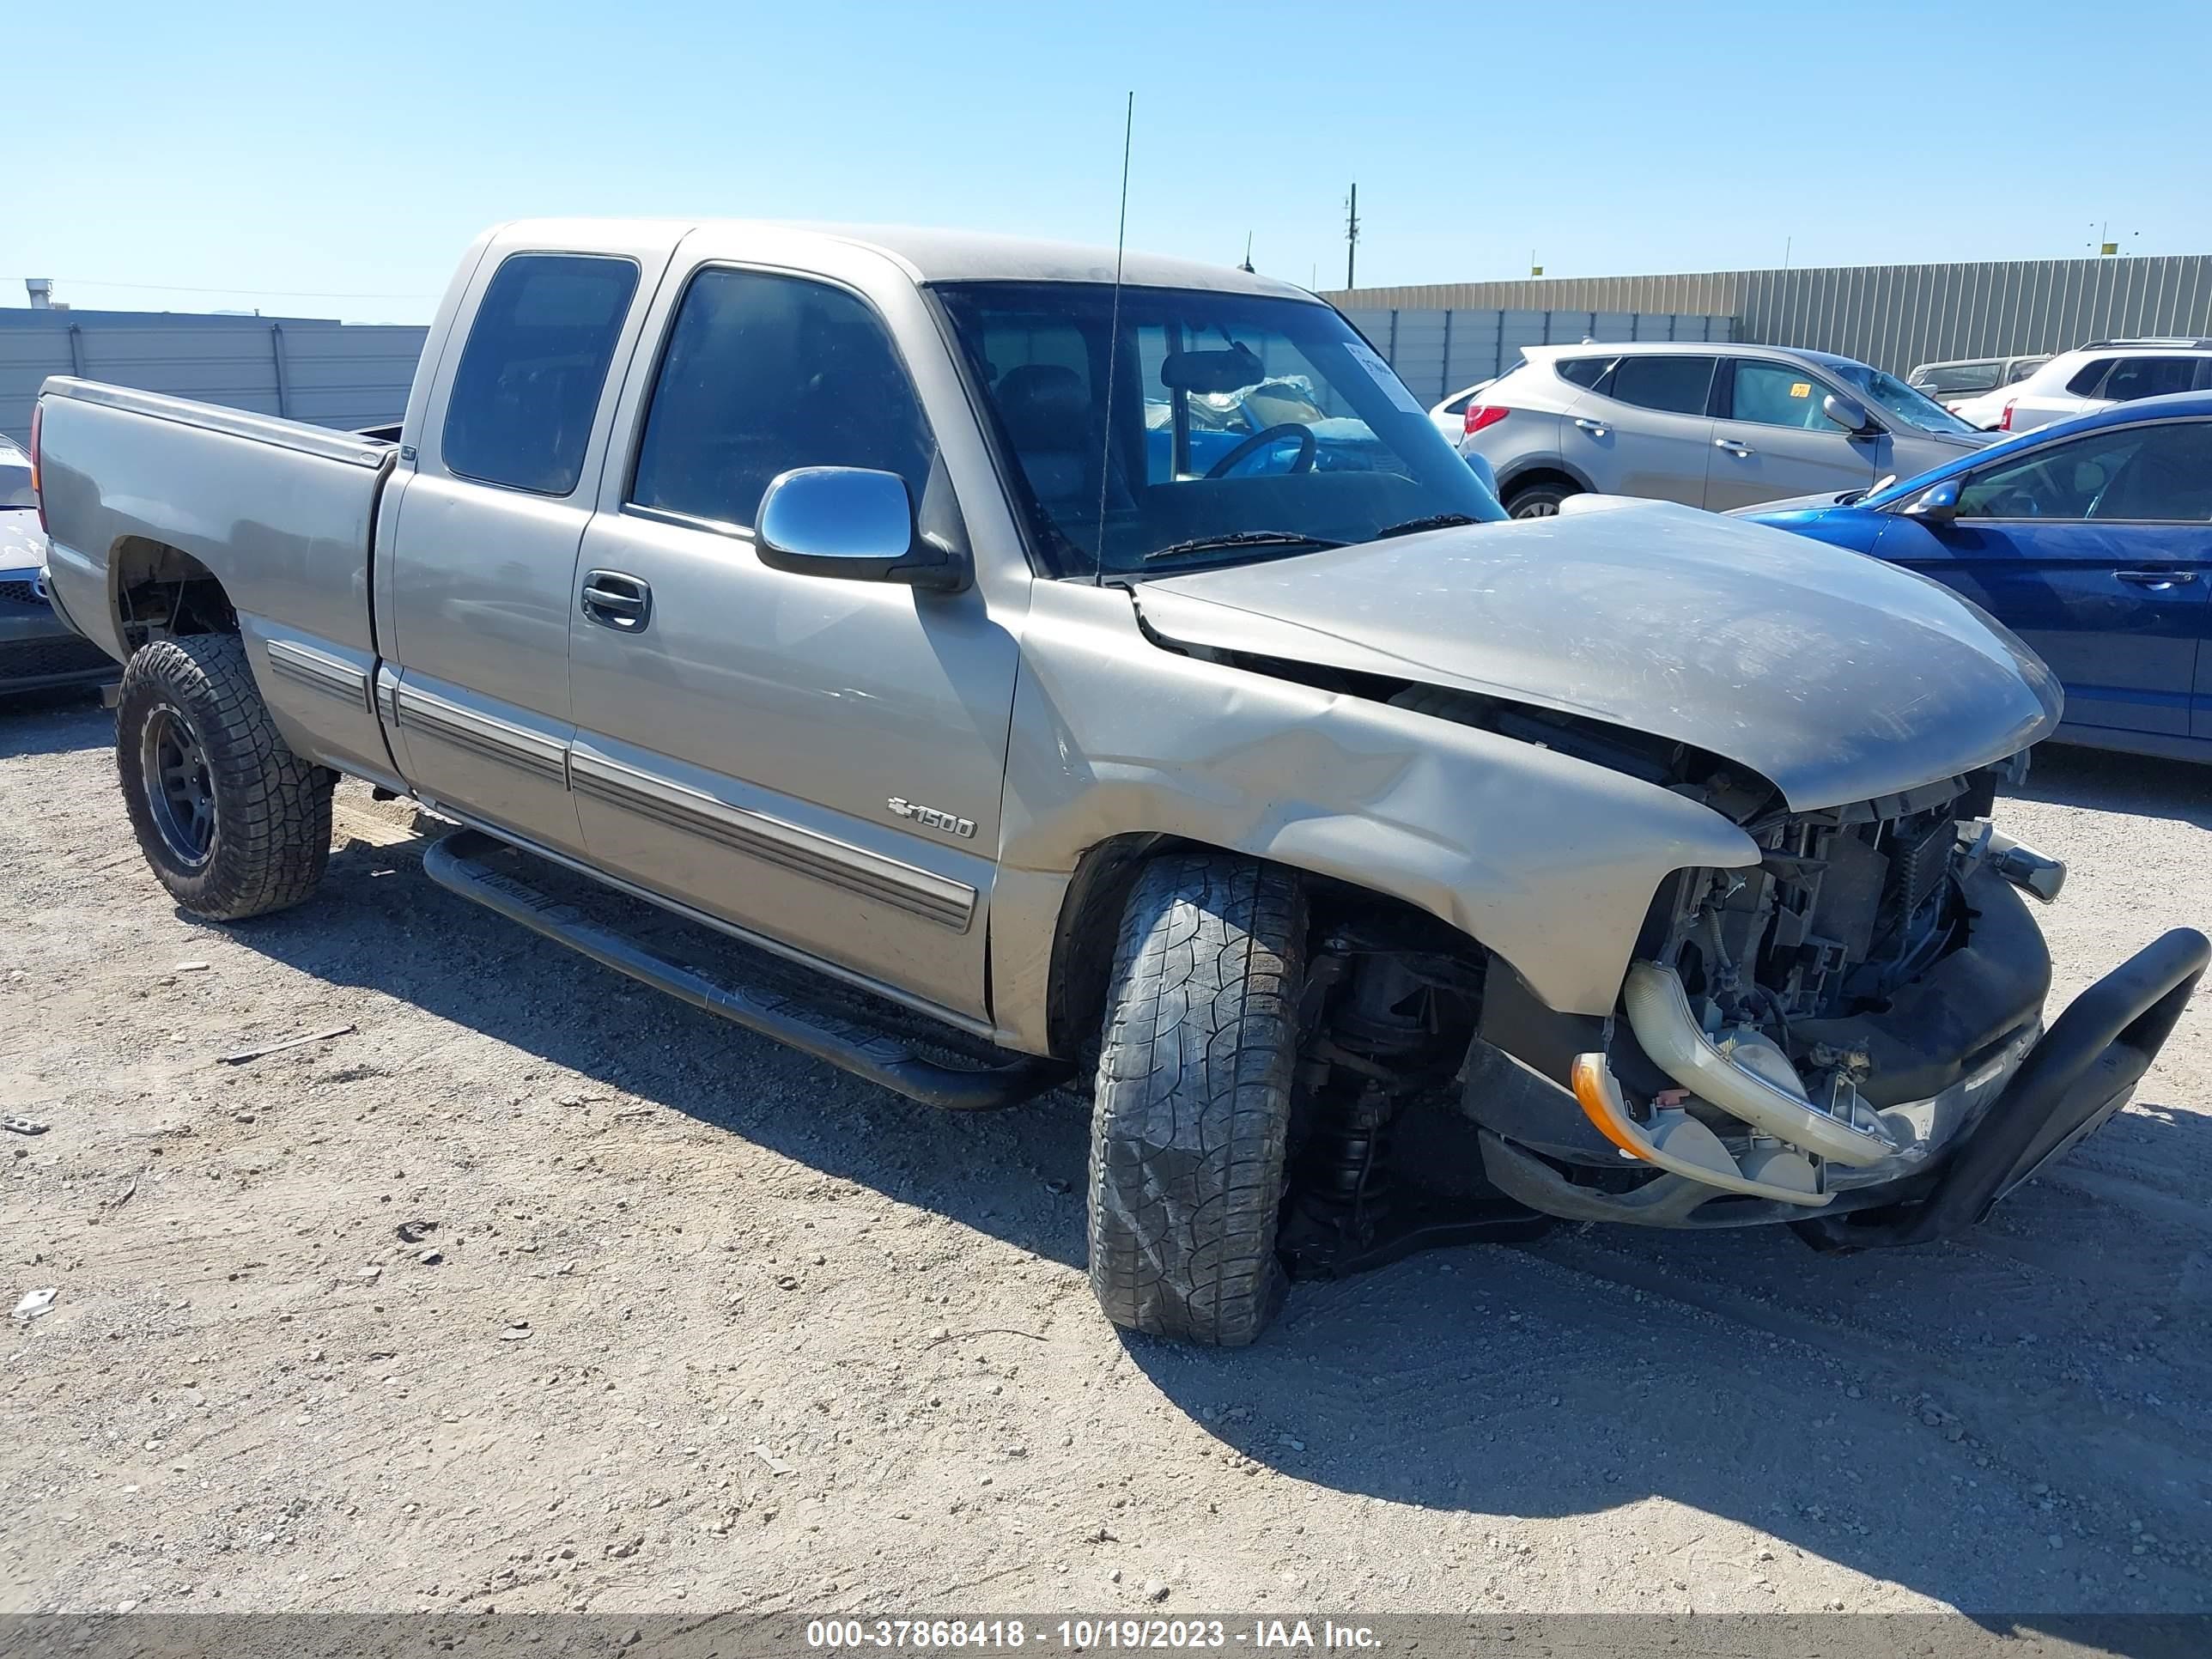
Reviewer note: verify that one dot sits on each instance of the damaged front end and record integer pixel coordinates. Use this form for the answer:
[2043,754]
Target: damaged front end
[1816,1034]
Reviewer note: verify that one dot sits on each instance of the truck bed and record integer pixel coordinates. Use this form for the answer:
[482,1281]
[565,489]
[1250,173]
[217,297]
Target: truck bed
[282,514]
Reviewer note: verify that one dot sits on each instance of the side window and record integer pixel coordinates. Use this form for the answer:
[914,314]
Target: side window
[520,414]
[1458,405]
[2147,377]
[1584,372]
[1775,394]
[2022,367]
[763,373]
[1675,385]
[2159,473]
[2088,377]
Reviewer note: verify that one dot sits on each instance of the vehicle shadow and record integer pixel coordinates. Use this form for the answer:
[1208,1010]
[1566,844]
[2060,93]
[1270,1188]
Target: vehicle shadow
[1991,1421]
[1932,1418]
[378,923]
[2104,780]
[54,722]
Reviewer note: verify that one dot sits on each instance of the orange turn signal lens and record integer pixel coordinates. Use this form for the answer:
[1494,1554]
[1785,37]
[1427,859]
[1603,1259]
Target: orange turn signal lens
[1600,1099]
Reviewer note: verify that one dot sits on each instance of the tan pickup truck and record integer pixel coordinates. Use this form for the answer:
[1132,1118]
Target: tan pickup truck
[1123,673]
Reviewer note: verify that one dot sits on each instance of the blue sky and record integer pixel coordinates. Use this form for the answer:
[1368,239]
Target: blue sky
[346,154]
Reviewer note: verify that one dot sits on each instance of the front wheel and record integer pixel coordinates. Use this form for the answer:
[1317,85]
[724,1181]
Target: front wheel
[233,822]
[1192,1115]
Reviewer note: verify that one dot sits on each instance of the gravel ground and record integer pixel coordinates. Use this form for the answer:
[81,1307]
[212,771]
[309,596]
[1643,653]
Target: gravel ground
[687,1322]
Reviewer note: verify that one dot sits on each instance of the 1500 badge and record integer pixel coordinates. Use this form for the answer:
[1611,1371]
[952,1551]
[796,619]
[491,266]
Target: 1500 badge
[964,828]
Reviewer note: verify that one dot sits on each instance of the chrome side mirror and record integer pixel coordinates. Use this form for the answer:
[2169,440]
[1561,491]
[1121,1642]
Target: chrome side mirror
[1937,504]
[851,523]
[1847,413]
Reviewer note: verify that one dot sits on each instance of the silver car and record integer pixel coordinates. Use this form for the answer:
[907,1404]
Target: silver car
[1709,425]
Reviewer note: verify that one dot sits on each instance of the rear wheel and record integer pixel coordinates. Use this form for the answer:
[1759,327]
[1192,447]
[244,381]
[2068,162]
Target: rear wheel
[1539,500]
[231,822]
[1192,1114]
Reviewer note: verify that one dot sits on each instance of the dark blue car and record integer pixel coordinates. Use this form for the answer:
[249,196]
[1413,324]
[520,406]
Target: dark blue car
[2091,539]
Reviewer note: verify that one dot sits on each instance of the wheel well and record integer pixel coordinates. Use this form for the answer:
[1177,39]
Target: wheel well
[1541,475]
[161,590]
[1091,920]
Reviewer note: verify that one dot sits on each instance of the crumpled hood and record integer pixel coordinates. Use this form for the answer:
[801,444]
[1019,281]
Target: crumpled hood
[1837,678]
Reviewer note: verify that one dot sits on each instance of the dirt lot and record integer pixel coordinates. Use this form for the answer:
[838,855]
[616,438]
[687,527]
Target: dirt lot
[704,1324]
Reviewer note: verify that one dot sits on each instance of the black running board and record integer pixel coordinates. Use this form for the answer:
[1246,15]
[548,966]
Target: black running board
[457,863]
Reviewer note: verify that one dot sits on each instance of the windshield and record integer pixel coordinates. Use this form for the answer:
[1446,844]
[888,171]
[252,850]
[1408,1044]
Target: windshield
[1244,427]
[1914,408]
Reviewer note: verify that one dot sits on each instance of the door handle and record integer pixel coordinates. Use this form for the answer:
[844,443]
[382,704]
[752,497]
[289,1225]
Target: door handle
[1596,428]
[1734,447]
[2155,578]
[613,600]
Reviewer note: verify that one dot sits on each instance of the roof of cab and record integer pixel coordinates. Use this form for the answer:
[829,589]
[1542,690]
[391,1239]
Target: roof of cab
[946,256]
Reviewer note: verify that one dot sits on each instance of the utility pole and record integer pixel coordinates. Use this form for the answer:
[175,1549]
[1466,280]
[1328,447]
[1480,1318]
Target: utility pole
[1351,234]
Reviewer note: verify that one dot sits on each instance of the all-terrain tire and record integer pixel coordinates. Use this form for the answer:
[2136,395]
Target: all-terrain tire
[268,831]
[1539,500]
[1192,1114]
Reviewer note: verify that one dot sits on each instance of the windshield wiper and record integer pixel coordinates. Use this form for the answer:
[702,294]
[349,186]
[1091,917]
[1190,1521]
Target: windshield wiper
[1432,521]
[1242,538]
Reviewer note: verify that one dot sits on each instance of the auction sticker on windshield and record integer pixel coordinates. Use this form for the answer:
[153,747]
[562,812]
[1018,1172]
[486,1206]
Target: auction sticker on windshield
[1383,374]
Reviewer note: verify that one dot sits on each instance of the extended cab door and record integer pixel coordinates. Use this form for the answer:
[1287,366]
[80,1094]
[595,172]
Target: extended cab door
[1772,440]
[757,745]
[476,590]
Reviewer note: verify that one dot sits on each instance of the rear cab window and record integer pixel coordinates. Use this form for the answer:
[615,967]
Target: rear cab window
[1954,378]
[528,387]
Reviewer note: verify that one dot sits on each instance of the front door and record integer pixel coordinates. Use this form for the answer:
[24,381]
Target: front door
[2096,550]
[1772,439]
[1645,429]
[816,760]
[483,538]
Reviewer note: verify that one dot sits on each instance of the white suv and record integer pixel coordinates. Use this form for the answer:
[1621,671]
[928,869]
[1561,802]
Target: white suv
[2092,377]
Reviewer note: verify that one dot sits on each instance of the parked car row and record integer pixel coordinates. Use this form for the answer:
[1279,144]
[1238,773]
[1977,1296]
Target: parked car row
[2092,377]
[2088,532]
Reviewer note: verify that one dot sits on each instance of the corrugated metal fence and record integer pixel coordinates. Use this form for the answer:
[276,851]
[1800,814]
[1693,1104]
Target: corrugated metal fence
[1438,350]
[330,374]
[1891,316]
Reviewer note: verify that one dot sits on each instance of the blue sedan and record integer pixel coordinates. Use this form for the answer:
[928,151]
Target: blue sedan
[2091,539]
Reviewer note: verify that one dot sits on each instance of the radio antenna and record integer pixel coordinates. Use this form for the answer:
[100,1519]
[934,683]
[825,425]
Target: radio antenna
[1113,335]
